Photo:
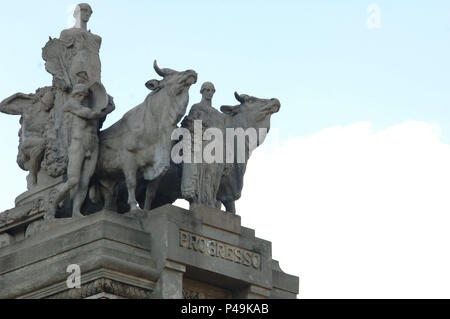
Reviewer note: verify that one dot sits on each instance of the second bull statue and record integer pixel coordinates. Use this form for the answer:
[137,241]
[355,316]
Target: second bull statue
[252,112]
[139,144]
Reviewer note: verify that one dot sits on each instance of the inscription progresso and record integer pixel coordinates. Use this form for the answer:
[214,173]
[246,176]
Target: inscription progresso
[218,249]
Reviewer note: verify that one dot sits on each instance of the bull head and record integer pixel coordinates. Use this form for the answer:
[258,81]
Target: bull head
[174,82]
[266,106]
[156,85]
[252,111]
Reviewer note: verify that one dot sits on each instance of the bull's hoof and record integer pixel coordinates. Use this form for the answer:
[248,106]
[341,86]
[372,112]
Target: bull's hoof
[136,212]
[50,213]
[77,214]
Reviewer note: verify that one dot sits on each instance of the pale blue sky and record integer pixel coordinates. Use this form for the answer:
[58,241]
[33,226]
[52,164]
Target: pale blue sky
[318,57]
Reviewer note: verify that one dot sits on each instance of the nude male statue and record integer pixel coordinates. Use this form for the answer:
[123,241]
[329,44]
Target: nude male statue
[84,124]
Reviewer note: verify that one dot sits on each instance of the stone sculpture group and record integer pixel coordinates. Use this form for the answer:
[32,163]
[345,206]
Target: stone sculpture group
[76,168]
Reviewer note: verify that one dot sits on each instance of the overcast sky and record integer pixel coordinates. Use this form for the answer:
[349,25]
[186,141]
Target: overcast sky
[352,185]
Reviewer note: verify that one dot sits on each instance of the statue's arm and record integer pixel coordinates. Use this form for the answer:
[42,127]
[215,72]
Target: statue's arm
[15,104]
[86,113]
[48,100]
[110,107]
[67,38]
[188,121]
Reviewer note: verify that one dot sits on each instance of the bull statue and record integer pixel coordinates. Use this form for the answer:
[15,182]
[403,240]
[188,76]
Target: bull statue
[252,112]
[139,144]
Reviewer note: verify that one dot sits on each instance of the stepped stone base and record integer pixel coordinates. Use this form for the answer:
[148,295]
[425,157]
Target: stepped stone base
[168,252]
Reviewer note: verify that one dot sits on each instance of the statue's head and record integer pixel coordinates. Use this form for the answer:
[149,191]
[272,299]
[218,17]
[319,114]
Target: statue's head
[46,96]
[80,91]
[207,90]
[84,11]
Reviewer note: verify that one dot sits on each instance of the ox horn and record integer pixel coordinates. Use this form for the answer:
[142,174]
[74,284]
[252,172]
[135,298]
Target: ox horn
[238,97]
[158,70]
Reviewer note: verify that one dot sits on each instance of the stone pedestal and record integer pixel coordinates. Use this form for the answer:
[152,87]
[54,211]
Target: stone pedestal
[168,252]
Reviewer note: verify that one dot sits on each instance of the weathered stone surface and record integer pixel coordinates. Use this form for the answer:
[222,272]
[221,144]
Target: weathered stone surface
[104,288]
[100,242]
[170,282]
[216,267]
[193,289]
[77,170]
[285,286]
[168,252]
[6,240]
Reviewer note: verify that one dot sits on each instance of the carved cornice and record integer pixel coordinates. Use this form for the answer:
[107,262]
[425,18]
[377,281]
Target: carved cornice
[104,286]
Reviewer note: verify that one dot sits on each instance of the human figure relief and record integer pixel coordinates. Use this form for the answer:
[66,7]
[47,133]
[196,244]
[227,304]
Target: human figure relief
[74,57]
[35,113]
[200,181]
[85,66]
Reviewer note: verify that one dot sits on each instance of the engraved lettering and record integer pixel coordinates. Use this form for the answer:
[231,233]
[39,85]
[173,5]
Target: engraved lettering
[219,249]
[238,254]
[212,247]
[247,257]
[184,239]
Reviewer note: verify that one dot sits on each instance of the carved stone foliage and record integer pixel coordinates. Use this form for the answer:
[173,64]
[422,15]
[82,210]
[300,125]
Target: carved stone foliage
[192,294]
[55,161]
[193,289]
[104,285]
[29,210]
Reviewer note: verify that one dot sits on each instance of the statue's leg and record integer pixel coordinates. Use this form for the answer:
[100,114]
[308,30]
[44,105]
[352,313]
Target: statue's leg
[230,206]
[210,183]
[108,191]
[34,164]
[150,193]
[73,177]
[189,182]
[31,180]
[218,204]
[86,174]
[130,170]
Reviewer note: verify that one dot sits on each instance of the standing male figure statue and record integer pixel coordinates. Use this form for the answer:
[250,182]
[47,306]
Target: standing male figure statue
[83,146]
[82,105]
[200,181]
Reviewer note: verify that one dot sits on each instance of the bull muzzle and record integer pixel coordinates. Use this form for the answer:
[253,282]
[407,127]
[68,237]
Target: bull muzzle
[189,78]
[275,105]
